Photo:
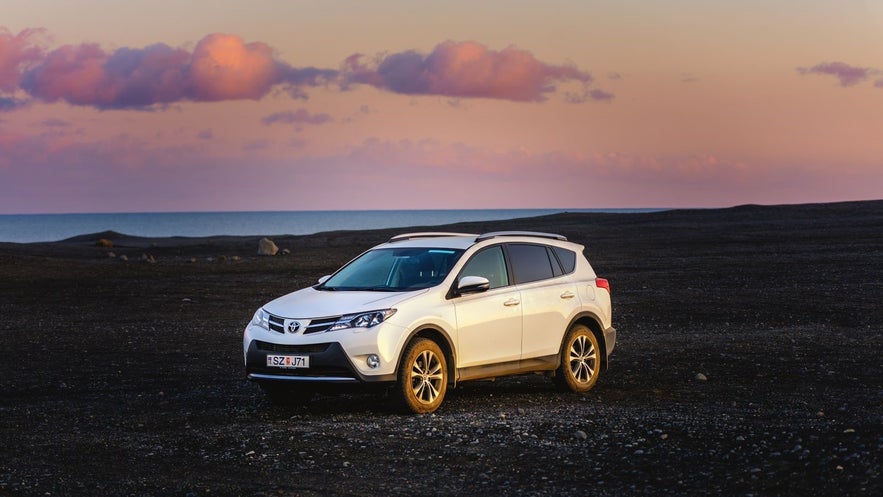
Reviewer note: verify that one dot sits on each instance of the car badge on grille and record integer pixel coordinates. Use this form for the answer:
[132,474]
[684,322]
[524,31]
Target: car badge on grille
[293,327]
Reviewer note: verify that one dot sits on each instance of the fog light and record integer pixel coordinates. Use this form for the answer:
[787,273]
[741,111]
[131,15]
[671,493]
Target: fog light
[373,361]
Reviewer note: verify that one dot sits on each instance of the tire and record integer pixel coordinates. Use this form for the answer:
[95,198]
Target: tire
[287,395]
[422,378]
[580,360]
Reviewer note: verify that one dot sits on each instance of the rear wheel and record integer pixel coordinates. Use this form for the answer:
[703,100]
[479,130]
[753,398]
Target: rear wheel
[287,395]
[422,377]
[580,360]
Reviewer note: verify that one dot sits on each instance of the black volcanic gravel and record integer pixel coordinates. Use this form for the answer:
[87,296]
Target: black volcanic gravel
[748,363]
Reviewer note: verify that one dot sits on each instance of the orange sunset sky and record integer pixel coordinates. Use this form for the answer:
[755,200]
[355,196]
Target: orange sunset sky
[141,106]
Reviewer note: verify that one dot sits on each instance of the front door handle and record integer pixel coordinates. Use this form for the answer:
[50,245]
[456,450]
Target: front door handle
[511,302]
[567,295]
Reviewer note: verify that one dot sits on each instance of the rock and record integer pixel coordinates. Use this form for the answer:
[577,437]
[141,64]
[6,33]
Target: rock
[235,258]
[701,377]
[104,242]
[192,260]
[285,251]
[267,247]
[222,258]
[124,258]
[580,435]
[111,255]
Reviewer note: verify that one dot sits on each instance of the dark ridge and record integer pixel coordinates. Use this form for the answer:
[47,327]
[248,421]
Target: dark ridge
[94,237]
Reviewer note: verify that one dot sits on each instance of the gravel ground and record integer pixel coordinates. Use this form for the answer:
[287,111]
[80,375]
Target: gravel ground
[748,363]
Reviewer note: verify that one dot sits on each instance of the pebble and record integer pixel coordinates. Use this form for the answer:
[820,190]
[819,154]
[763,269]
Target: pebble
[580,435]
[701,377]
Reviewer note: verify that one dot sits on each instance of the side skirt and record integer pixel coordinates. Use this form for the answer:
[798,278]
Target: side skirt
[546,363]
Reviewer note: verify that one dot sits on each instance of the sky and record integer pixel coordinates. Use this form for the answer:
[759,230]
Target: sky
[221,105]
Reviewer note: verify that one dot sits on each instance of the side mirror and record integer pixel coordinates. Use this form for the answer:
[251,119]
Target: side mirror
[324,278]
[473,284]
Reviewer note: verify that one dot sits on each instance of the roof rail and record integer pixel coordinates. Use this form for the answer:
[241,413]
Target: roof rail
[535,234]
[426,234]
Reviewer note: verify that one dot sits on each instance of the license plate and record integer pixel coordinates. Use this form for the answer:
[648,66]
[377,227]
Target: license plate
[288,361]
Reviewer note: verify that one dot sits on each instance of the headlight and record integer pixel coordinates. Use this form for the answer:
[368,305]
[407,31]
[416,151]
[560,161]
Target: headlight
[363,320]
[261,318]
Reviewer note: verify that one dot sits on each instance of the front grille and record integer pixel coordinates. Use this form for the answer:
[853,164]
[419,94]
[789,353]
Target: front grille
[318,325]
[277,324]
[315,348]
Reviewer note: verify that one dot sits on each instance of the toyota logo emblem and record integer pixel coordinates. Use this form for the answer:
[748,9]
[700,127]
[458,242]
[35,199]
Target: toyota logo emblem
[293,327]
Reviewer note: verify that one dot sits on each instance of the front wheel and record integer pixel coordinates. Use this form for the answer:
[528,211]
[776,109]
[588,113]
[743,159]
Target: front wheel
[422,377]
[580,360]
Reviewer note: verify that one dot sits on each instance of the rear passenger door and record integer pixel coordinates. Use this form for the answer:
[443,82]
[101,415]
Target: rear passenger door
[548,298]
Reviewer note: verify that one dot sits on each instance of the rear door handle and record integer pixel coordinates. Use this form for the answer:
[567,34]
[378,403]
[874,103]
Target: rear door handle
[511,302]
[567,295]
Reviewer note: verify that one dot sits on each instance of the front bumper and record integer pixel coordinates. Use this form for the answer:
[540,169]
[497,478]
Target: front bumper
[328,364]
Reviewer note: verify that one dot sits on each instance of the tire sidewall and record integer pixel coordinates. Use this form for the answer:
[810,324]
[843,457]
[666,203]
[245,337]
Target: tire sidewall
[405,392]
[565,372]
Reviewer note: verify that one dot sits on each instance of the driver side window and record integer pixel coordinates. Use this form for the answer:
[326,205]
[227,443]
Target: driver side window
[490,264]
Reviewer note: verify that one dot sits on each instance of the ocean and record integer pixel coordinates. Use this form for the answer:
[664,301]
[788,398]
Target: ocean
[27,228]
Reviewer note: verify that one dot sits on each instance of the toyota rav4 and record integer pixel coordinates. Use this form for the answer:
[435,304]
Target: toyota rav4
[426,311]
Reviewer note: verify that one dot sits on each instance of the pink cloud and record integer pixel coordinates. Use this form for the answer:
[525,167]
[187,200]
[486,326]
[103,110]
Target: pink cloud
[300,116]
[16,51]
[226,68]
[463,69]
[221,67]
[847,74]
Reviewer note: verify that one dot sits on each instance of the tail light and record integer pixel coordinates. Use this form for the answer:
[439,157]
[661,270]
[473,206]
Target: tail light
[602,283]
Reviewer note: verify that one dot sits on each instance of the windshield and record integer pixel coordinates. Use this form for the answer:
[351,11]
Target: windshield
[394,270]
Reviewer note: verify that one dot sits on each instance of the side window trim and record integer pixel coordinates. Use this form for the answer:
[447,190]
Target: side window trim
[557,267]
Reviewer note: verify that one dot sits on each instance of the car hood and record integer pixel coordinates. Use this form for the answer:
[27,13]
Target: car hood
[312,303]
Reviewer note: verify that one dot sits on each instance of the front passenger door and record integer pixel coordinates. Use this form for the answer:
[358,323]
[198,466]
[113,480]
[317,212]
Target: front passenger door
[489,323]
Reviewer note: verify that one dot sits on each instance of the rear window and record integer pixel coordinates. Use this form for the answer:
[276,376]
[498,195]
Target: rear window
[567,259]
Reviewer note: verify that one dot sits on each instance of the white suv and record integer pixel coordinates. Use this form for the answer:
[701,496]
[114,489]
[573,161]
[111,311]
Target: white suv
[425,311]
